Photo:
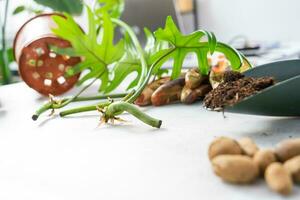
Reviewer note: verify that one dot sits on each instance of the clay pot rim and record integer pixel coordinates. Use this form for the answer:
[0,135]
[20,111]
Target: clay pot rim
[25,24]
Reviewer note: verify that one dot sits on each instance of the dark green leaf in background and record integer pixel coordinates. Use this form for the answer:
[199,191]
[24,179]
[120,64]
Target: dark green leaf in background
[73,7]
[18,10]
[114,8]
[9,53]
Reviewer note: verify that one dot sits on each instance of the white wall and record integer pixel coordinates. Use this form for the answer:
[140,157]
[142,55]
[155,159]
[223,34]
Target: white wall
[257,19]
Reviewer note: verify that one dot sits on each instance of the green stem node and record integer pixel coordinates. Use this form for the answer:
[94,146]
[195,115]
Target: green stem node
[119,107]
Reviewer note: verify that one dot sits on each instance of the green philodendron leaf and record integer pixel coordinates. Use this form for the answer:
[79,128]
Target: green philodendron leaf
[98,54]
[121,70]
[130,62]
[185,44]
[181,45]
[151,48]
[114,8]
[73,7]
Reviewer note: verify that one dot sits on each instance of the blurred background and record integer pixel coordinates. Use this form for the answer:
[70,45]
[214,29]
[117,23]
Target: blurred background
[264,30]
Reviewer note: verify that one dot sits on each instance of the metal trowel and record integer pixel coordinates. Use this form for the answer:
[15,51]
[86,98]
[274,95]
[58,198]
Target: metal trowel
[281,99]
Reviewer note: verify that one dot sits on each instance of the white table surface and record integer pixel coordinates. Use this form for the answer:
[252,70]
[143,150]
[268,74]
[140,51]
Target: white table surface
[73,158]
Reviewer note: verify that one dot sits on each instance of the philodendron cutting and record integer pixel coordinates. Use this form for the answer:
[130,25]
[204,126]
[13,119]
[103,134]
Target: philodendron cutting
[113,62]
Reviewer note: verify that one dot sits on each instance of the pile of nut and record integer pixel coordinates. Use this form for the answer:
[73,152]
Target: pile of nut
[189,87]
[242,162]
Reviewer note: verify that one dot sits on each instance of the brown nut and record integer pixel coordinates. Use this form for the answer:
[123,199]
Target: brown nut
[263,158]
[288,149]
[168,92]
[278,179]
[248,146]
[235,168]
[223,145]
[293,167]
[145,97]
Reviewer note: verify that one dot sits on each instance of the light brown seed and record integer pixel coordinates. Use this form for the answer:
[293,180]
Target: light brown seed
[235,168]
[248,146]
[293,167]
[278,178]
[223,145]
[263,158]
[288,149]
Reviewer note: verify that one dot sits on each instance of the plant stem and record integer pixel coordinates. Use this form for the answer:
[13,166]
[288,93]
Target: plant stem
[77,110]
[95,107]
[120,107]
[50,105]
[6,74]
[41,110]
[98,97]
[84,109]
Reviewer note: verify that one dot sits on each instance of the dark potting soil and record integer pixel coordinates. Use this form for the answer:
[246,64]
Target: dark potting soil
[234,88]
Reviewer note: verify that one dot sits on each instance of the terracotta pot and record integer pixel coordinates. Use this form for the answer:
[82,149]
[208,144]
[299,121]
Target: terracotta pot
[41,69]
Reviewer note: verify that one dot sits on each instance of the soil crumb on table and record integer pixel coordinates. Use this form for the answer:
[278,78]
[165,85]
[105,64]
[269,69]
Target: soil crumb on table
[234,88]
